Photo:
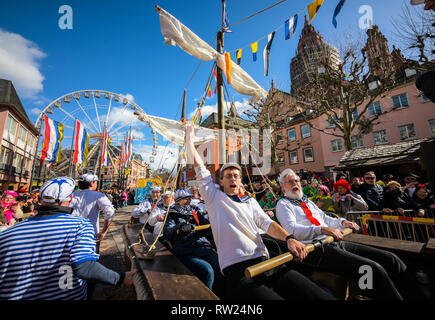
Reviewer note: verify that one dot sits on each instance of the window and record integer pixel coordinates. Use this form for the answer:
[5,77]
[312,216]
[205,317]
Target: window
[380,137]
[17,160]
[22,133]
[424,98]
[331,123]
[357,141]
[308,155]
[293,157]
[374,109]
[432,126]
[400,101]
[292,135]
[281,161]
[10,129]
[336,145]
[305,131]
[5,155]
[278,138]
[355,114]
[30,141]
[407,132]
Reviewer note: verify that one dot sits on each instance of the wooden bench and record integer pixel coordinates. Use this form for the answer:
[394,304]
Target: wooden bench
[164,277]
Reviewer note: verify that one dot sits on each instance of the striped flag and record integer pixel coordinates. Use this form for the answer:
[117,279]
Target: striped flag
[337,11]
[266,52]
[290,26]
[81,143]
[129,149]
[313,8]
[239,56]
[105,151]
[53,135]
[121,157]
[215,77]
[254,47]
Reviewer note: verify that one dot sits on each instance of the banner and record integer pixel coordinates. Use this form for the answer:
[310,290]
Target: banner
[81,144]
[53,135]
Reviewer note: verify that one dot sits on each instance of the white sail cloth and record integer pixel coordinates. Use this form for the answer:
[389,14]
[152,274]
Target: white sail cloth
[174,32]
[174,130]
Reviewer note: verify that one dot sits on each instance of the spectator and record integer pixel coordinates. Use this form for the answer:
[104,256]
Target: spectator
[395,199]
[259,190]
[346,200]
[124,198]
[410,182]
[10,205]
[356,183]
[323,199]
[423,201]
[372,193]
[46,253]
[268,201]
[311,189]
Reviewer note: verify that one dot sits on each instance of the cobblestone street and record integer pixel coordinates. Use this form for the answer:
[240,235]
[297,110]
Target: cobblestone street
[112,256]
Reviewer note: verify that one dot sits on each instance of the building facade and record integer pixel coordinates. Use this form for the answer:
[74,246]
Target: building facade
[18,140]
[403,115]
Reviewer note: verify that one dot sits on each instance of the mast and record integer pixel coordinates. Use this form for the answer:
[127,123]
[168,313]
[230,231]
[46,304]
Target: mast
[183,115]
[220,91]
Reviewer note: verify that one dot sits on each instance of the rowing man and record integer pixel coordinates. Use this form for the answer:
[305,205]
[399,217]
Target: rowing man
[235,221]
[302,218]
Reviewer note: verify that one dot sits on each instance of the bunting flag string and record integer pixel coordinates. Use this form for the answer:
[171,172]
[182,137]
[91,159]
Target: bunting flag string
[290,26]
[254,47]
[313,8]
[239,56]
[336,12]
[266,53]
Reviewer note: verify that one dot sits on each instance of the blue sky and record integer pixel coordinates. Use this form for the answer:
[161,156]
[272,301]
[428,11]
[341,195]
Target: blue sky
[117,46]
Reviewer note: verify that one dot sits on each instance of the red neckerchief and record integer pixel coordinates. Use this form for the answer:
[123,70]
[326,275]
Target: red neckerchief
[309,214]
[196,217]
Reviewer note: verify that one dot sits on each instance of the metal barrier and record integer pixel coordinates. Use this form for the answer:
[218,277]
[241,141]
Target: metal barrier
[394,226]
[399,227]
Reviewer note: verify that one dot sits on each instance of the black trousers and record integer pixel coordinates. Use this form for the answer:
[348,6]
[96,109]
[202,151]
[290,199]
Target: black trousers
[390,277]
[277,284]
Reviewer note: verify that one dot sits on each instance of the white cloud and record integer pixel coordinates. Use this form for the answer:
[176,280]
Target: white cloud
[122,116]
[19,62]
[35,111]
[166,156]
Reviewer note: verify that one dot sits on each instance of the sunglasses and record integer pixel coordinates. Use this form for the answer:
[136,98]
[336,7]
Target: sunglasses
[370,178]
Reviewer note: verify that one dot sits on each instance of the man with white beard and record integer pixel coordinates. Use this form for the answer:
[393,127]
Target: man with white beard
[302,218]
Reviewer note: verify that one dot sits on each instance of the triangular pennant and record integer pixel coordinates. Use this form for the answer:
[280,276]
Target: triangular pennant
[313,8]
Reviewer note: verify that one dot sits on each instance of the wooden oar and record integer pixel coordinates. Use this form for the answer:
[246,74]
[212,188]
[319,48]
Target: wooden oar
[197,228]
[264,266]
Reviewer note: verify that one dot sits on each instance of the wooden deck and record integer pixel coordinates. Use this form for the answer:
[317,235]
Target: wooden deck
[164,277]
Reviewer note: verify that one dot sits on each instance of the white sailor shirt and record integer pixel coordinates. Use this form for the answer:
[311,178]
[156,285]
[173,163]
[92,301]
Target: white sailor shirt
[294,220]
[141,211]
[88,204]
[235,225]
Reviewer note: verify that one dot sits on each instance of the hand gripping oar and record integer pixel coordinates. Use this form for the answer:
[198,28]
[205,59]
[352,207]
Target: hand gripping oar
[264,266]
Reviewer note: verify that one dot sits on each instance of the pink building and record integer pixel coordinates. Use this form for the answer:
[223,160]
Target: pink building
[18,139]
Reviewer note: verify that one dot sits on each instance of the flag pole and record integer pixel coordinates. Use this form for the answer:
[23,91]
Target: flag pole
[220,91]
[32,175]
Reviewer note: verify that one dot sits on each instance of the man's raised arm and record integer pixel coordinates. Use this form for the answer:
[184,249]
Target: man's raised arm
[191,152]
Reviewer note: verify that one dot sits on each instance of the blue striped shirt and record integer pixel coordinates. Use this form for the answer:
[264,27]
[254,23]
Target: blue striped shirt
[37,256]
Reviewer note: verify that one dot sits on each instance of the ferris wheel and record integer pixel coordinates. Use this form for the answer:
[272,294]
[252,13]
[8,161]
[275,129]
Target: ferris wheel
[95,110]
